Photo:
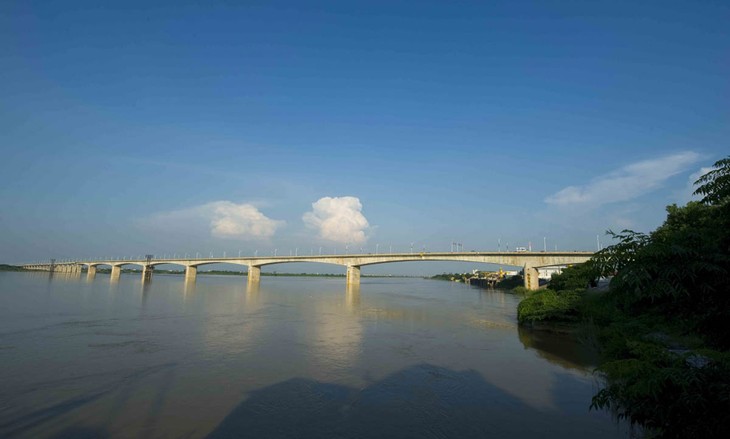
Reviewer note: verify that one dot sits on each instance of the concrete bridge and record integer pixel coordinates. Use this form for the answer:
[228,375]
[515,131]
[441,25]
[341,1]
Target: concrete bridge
[529,261]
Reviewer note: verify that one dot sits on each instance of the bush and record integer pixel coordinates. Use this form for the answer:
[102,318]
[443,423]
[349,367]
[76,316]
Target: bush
[578,276]
[669,292]
[549,305]
[670,395]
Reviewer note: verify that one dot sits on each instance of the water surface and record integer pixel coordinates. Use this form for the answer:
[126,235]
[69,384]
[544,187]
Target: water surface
[291,357]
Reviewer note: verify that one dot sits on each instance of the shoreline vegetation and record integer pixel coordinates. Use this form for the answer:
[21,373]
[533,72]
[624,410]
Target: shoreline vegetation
[662,327]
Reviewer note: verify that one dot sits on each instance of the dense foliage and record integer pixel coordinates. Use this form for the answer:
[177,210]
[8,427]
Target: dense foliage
[561,301]
[664,325]
[550,305]
[574,277]
[666,346]
[680,270]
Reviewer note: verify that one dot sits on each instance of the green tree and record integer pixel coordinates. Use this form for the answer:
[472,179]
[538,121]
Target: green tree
[674,278]
[714,186]
[578,276]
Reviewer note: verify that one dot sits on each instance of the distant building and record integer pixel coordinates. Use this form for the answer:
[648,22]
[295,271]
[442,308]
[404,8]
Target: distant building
[547,272]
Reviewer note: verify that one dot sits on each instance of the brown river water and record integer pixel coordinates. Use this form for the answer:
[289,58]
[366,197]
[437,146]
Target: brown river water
[294,357]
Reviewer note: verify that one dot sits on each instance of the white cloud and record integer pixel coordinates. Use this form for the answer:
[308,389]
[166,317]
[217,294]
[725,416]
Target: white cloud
[223,219]
[685,194]
[242,221]
[626,183]
[338,219]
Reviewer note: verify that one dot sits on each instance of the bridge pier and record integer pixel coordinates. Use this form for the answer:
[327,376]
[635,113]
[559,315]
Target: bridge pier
[147,273]
[531,278]
[116,272]
[254,274]
[91,272]
[191,273]
[353,275]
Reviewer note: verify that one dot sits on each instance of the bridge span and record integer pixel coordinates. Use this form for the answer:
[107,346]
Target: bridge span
[529,261]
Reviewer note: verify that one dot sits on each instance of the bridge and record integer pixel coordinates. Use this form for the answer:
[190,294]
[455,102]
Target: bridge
[529,261]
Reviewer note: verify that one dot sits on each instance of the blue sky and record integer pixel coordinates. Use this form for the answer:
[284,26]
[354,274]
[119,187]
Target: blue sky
[224,126]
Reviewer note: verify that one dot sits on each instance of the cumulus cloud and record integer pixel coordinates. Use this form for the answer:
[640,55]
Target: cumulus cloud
[338,219]
[626,183]
[243,221]
[223,219]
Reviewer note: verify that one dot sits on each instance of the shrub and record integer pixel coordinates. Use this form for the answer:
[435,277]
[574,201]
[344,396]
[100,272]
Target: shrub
[574,277]
[549,305]
[670,395]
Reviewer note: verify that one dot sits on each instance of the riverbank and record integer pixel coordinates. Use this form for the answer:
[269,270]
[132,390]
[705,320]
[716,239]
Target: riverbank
[6,267]
[658,374]
[662,325]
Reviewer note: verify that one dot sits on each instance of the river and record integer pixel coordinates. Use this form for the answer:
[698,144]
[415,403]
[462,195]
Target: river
[291,357]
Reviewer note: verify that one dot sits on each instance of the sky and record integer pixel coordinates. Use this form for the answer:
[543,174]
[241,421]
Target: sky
[129,128]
